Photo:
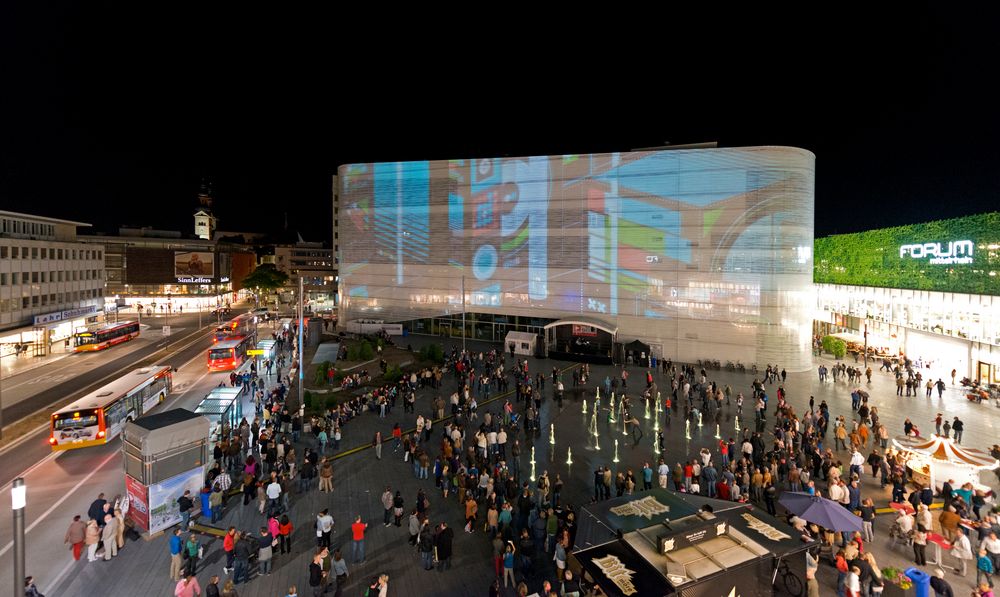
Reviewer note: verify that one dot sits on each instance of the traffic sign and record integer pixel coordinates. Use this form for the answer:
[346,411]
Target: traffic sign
[255,352]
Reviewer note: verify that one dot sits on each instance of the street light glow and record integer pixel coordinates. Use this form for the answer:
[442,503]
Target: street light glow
[18,494]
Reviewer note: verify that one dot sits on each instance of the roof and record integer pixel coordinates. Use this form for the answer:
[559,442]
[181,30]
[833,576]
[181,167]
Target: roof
[166,431]
[14,214]
[597,323]
[165,419]
[946,450]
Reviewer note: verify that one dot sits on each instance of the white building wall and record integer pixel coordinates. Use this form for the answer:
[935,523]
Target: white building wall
[704,253]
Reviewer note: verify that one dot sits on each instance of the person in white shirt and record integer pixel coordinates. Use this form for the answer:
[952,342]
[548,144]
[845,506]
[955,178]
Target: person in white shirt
[905,522]
[273,492]
[663,471]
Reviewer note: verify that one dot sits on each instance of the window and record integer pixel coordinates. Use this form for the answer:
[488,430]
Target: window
[44,253]
[60,274]
[58,253]
[13,252]
[34,252]
[34,301]
[25,302]
[3,252]
[98,254]
[43,277]
[45,300]
[34,277]
[25,277]
[3,279]
[25,252]
[52,298]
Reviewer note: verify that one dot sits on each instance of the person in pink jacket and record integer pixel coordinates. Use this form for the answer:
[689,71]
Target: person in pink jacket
[187,586]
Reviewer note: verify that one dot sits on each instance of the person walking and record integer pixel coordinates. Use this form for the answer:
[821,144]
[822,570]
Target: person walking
[358,537]
[324,528]
[241,557]
[984,569]
[325,475]
[339,566]
[212,588]
[176,558]
[961,549]
[387,506]
[425,545]
[265,551]
[193,549]
[228,545]
[185,505]
[76,535]
[284,535]
[957,426]
[377,444]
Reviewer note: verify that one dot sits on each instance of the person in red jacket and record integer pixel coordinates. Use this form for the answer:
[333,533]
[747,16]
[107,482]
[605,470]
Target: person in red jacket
[358,534]
[229,544]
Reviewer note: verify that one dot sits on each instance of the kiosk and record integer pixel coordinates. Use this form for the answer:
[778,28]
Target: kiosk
[666,543]
[933,460]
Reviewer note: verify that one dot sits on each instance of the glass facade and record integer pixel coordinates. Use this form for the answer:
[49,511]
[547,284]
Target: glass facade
[700,253]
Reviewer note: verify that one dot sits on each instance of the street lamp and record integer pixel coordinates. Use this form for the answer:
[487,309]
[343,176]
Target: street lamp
[18,499]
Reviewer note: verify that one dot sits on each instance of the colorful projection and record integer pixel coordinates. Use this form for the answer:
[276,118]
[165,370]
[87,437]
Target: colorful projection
[717,236]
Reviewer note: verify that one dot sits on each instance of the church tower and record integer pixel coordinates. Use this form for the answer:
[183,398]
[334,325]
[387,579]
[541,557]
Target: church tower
[204,221]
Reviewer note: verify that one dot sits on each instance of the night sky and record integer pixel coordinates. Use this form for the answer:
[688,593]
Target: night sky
[113,118]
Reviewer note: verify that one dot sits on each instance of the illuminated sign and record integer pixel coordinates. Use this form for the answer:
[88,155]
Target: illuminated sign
[957,252]
[193,280]
[765,529]
[617,573]
[647,506]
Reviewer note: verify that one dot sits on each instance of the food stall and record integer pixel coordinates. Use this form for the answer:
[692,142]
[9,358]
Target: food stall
[933,460]
[665,543]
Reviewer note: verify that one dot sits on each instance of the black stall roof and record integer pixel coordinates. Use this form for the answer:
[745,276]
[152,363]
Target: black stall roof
[621,572]
[600,522]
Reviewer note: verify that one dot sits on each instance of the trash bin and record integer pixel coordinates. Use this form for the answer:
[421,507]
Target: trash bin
[206,507]
[921,581]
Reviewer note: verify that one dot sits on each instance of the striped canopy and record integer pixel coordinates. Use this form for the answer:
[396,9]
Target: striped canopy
[945,449]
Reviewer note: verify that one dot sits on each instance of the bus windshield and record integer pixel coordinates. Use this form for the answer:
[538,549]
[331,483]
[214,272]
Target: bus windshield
[68,421]
[86,338]
[217,354]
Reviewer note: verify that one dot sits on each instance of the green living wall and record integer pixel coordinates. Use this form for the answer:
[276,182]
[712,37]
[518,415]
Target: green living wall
[873,258]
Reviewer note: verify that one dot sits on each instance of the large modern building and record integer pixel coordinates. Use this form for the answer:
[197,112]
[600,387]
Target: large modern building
[703,253]
[51,284]
[928,291]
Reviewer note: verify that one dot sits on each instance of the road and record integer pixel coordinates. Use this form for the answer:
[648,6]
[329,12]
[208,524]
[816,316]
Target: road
[61,484]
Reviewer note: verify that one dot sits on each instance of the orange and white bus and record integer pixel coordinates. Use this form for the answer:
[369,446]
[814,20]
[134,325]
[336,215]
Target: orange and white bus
[101,414]
[229,353]
[106,336]
[239,326]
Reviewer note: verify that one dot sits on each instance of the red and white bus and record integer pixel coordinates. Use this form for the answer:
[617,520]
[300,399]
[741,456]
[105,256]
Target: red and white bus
[101,414]
[239,326]
[229,353]
[106,336]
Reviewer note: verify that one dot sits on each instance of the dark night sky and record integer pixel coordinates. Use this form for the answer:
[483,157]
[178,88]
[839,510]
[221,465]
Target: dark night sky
[112,118]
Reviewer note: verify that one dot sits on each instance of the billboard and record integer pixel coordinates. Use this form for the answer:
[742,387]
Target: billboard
[957,255]
[163,509]
[138,511]
[196,264]
[712,246]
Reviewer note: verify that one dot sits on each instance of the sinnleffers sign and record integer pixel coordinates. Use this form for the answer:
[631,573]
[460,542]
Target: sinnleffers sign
[956,252]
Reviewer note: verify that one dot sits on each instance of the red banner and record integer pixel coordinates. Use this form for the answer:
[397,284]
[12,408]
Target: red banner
[138,511]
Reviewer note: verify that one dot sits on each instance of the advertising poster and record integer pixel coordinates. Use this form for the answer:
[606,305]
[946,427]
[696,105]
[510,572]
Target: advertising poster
[163,510]
[138,511]
[194,264]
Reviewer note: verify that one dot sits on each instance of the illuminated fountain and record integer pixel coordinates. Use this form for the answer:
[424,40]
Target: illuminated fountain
[569,455]
[699,420]
[717,435]
[616,453]
[532,463]
[737,419]
[584,406]
[647,411]
[687,429]
[552,434]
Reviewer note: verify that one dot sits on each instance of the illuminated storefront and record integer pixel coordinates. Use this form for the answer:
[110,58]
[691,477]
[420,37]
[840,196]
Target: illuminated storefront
[702,253]
[929,291]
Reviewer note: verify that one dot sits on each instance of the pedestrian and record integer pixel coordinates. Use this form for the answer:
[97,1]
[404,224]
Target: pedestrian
[382,586]
[245,545]
[339,567]
[425,545]
[443,543]
[265,551]
[377,444]
[229,589]
[187,586]
[109,536]
[176,558]
[984,569]
[92,538]
[324,527]
[76,535]
[387,506]
[317,575]
[508,564]
[284,534]
[212,588]
[185,506]
[228,545]
[193,550]
[358,537]
[961,549]
[940,585]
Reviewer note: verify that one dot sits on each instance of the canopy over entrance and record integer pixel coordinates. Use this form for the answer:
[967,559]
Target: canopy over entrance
[581,339]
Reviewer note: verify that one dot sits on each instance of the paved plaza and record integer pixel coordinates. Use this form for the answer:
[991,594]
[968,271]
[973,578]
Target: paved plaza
[359,479]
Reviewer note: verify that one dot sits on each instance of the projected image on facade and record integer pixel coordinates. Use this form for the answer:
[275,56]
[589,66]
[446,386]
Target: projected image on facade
[714,245]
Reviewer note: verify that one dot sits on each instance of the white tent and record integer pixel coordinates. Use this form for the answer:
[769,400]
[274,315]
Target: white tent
[940,459]
[524,343]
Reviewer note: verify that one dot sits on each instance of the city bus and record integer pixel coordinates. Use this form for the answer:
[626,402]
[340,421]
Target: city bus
[101,414]
[230,353]
[239,326]
[106,336]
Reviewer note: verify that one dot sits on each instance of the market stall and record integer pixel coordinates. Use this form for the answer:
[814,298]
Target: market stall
[933,460]
[662,543]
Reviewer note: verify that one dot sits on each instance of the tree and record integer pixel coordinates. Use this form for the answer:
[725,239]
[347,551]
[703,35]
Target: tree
[834,346]
[266,277]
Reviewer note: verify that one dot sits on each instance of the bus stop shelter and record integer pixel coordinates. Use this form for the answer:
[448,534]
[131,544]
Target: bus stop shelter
[223,407]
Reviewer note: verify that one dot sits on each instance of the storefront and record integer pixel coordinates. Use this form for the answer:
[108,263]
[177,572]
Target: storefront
[928,291]
[50,333]
[667,543]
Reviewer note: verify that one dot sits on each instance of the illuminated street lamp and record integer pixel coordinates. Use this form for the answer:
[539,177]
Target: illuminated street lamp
[18,499]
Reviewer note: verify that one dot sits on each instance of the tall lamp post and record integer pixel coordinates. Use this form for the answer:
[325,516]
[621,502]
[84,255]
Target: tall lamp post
[302,321]
[18,498]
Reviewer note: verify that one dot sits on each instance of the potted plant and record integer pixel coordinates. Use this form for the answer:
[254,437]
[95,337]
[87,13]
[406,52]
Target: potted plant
[897,584]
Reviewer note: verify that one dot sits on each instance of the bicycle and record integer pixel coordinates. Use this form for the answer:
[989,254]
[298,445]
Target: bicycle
[793,584]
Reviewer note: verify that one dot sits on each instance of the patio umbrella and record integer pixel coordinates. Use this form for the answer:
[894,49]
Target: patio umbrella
[820,510]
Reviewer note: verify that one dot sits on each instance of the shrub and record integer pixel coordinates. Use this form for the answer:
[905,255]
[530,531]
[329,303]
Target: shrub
[366,352]
[834,346]
[393,373]
[432,353]
[321,371]
[331,401]
[307,398]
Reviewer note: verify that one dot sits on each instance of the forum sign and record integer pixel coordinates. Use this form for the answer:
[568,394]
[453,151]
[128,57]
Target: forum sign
[958,255]
[957,252]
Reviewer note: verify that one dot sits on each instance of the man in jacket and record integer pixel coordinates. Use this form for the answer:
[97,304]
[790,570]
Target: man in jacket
[109,536]
[443,543]
[241,558]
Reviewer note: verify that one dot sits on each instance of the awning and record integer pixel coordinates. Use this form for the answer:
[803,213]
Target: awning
[946,450]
